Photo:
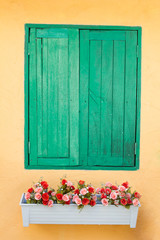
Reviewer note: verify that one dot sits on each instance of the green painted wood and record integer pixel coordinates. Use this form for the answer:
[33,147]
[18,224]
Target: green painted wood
[106,98]
[26,99]
[104,27]
[130,98]
[45,96]
[52,33]
[138,105]
[39,98]
[53,97]
[103,155]
[118,99]
[107,35]
[63,99]
[94,121]
[84,76]
[33,98]
[74,95]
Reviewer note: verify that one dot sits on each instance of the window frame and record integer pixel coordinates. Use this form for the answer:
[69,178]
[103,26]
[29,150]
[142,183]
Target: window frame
[26,97]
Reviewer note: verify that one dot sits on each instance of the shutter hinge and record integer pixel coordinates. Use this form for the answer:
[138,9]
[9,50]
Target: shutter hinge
[137,50]
[135,148]
[28,147]
[28,48]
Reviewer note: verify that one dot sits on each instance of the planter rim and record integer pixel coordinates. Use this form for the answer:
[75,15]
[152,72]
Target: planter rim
[72,204]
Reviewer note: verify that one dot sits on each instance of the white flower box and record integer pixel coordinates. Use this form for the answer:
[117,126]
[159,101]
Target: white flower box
[69,214]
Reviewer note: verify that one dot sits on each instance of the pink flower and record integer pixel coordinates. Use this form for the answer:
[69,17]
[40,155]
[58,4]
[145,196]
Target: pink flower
[108,184]
[122,188]
[38,196]
[74,198]
[38,189]
[27,196]
[98,190]
[128,195]
[78,201]
[53,194]
[135,202]
[70,196]
[69,183]
[50,203]
[65,198]
[104,201]
[116,202]
[117,192]
[113,195]
[94,197]
[83,191]
[122,194]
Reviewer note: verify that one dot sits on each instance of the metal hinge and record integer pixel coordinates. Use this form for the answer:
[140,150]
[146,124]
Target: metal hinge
[28,48]
[28,147]
[137,50]
[135,148]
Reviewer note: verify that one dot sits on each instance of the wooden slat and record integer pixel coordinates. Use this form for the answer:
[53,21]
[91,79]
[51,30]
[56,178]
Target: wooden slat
[106,97]
[118,98]
[53,97]
[52,33]
[53,161]
[130,98]
[107,35]
[105,161]
[74,95]
[95,98]
[84,81]
[32,98]
[45,95]
[63,106]
[39,99]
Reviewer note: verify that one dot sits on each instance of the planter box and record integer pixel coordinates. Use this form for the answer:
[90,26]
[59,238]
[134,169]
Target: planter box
[69,214]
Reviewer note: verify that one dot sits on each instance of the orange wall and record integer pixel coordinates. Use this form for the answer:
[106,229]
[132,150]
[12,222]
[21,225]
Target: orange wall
[14,179]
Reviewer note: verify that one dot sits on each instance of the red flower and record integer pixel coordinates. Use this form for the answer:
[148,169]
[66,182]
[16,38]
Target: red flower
[103,195]
[81,182]
[85,201]
[137,195]
[76,191]
[91,189]
[72,187]
[125,184]
[102,190]
[92,203]
[68,202]
[64,181]
[45,196]
[114,187]
[30,190]
[44,184]
[49,192]
[59,196]
[123,201]
[45,202]
[129,201]
[108,191]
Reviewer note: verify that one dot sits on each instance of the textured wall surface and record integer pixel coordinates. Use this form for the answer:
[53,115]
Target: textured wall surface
[14,179]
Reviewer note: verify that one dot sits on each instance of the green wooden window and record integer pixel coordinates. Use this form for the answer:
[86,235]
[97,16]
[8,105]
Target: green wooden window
[82,97]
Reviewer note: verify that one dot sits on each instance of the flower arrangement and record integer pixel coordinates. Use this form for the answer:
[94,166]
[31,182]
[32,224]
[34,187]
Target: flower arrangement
[84,194]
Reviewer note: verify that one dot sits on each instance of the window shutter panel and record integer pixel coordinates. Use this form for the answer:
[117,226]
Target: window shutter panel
[107,97]
[54,97]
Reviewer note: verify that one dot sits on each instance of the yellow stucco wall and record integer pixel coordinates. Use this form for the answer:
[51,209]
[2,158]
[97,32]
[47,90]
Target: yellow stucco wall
[14,179]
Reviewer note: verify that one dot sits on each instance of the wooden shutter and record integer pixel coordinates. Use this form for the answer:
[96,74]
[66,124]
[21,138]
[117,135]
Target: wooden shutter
[54,97]
[108,72]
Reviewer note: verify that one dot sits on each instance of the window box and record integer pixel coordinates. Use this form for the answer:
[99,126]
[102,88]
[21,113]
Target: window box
[59,214]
